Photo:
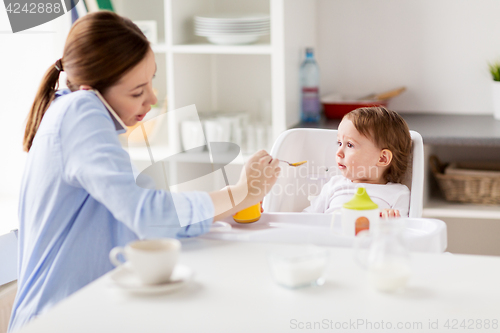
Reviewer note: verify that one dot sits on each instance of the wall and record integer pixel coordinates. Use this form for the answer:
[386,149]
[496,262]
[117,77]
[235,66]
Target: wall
[24,58]
[439,50]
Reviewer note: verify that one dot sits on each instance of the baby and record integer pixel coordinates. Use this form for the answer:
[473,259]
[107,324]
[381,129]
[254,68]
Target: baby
[374,145]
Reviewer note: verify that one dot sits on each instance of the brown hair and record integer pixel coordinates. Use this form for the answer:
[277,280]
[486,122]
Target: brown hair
[387,130]
[100,48]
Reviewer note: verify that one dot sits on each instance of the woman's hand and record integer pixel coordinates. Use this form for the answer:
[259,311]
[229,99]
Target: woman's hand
[389,213]
[256,180]
[258,176]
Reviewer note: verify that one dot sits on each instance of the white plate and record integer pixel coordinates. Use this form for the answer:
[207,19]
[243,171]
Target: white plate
[124,278]
[231,29]
[233,39]
[213,34]
[233,18]
[228,31]
[231,25]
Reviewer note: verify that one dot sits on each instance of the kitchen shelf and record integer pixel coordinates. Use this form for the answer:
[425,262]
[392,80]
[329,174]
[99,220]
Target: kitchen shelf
[141,153]
[222,49]
[440,208]
[259,80]
[229,78]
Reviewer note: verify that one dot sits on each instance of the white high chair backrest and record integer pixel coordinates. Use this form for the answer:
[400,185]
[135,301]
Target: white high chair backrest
[8,257]
[8,277]
[318,147]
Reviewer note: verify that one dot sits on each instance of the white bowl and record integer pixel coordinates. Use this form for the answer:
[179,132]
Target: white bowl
[296,266]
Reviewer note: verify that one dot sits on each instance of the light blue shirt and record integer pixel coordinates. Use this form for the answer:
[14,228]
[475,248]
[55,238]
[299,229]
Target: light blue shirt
[79,199]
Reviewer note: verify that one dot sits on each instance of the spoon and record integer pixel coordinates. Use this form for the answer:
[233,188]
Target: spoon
[294,164]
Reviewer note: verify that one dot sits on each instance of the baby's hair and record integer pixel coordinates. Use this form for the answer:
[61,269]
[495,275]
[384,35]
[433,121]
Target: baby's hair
[387,130]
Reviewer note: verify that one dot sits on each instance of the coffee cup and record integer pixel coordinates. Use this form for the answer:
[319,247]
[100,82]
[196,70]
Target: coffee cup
[152,260]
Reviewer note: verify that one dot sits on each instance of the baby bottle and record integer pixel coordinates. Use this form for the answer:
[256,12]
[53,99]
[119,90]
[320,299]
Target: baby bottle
[360,213]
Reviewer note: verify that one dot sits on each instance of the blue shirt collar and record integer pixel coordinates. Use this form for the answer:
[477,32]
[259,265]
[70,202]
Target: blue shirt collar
[118,127]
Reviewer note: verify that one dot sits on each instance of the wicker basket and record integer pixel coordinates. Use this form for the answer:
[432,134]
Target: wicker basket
[468,182]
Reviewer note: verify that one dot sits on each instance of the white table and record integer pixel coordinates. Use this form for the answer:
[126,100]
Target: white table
[233,291]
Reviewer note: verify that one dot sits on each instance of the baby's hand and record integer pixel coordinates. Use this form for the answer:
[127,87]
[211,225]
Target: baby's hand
[389,213]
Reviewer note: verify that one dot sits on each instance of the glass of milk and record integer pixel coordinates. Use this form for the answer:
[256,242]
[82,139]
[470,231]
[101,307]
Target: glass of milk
[297,266]
[387,260]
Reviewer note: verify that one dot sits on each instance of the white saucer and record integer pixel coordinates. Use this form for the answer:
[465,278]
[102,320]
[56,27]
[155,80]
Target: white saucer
[124,278]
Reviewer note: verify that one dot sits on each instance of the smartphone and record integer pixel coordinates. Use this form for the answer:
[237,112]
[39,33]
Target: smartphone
[119,124]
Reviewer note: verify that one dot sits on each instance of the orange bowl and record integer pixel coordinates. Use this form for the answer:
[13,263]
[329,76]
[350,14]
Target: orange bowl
[335,106]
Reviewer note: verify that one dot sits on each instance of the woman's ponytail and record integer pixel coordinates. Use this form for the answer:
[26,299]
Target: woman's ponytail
[44,97]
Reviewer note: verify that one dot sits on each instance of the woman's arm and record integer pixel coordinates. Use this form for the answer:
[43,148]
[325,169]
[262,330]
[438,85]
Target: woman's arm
[93,159]
[257,178]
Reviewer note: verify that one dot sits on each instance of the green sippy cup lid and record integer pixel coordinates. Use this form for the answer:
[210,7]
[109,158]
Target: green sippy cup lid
[360,201]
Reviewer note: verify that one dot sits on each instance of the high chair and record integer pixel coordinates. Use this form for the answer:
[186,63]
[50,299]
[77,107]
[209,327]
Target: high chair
[296,185]
[8,277]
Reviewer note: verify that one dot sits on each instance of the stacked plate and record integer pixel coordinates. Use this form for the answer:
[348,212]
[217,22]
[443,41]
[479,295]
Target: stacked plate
[231,29]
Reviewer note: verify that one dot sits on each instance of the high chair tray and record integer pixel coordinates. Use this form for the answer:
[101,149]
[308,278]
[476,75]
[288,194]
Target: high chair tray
[423,235]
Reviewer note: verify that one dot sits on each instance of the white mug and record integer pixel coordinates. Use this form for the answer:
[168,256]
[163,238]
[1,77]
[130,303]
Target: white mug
[152,260]
[260,137]
[227,123]
[192,135]
[217,131]
[250,139]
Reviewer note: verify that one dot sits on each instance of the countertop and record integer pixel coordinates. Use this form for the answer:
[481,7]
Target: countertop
[440,129]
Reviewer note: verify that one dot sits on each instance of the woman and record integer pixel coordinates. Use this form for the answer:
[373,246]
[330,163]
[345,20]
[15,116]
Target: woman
[78,197]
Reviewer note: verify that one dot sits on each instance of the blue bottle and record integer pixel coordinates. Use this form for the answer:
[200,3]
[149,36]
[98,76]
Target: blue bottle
[309,89]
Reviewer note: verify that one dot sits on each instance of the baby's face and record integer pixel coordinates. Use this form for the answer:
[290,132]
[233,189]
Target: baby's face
[357,156]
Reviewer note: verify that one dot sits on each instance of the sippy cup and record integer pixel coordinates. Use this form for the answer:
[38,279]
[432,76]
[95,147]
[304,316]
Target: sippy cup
[360,213]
